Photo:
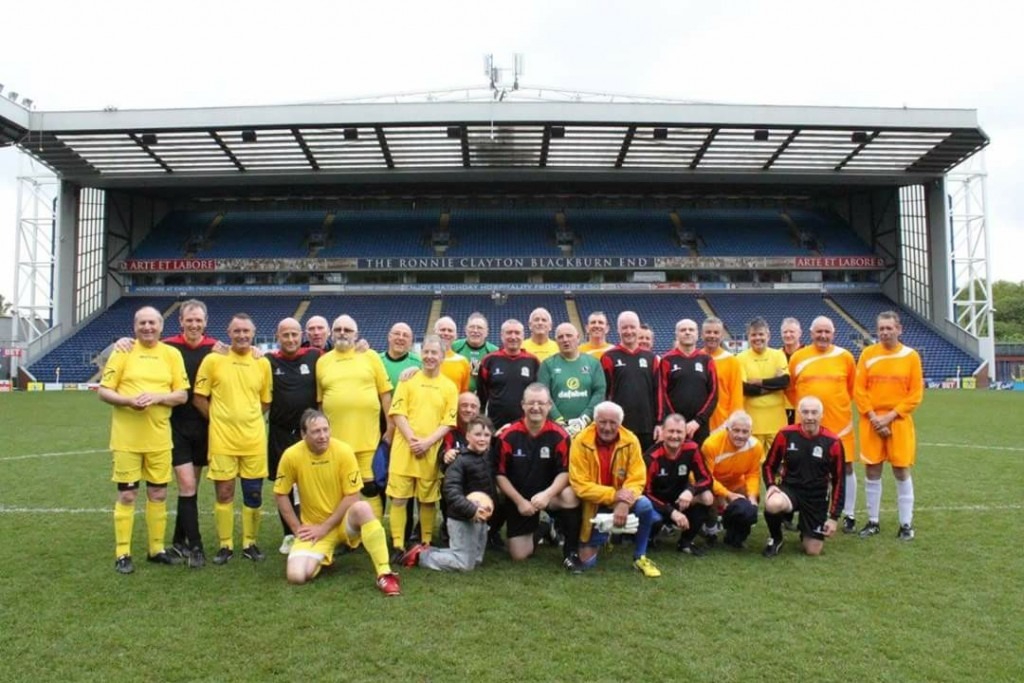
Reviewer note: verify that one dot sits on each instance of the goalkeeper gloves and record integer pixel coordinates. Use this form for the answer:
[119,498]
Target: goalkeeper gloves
[602,521]
[577,424]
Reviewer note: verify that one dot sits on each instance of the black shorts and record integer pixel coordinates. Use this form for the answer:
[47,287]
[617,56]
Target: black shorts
[279,439]
[518,525]
[190,449]
[813,509]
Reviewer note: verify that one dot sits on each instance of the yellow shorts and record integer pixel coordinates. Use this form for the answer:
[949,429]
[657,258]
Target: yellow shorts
[899,450]
[424,490]
[227,467]
[365,460]
[154,467]
[323,550]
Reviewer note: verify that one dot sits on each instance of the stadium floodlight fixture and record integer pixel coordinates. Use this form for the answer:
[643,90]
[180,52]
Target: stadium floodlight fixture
[249,135]
[455,132]
[660,133]
[859,137]
[557,131]
[12,96]
[350,133]
[149,139]
[27,103]
[761,135]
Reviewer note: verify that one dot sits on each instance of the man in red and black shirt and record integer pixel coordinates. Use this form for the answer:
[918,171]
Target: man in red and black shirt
[189,433]
[533,474]
[504,375]
[804,471]
[293,369]
[631,374]
[670,467]
[688,383]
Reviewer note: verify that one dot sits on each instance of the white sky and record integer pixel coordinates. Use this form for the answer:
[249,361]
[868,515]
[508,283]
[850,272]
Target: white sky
[82,55]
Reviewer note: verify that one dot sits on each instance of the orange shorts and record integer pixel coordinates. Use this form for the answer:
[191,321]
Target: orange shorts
[898,450]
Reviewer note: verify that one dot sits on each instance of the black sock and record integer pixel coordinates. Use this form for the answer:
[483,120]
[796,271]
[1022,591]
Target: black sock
[774,523]
[571,521]
[188,518]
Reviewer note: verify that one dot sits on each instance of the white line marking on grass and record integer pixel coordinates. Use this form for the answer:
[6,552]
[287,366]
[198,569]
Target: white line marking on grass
[975,446]
[31,456]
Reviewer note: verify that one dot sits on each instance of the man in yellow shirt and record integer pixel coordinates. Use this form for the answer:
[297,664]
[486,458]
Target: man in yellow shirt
[728,372]
[827,371]
[424,410]
[353,390]
[888,388]
[765,378]
[143,385]
[733,458]
[539,344]
[455,367]
[327,476]
[597,335]
[233,392]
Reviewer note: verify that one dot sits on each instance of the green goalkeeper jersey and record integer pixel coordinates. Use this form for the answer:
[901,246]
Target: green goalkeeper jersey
[576,385]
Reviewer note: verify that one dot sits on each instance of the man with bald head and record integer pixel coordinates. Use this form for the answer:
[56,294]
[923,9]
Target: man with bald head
[455,367]
[318,333]
[399,355]
[631,374]
[827,371]
[293,369]
[504,376]
[574,379]
[353,389]
[143,385]
[539,344]
[688,384]
[727,371]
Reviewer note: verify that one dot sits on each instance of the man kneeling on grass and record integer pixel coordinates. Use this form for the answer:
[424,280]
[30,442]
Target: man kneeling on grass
[467,512]
[327,475]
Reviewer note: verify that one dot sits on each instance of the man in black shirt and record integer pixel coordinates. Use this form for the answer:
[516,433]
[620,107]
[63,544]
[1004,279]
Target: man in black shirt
[688,382]
[504,375]
[533,473]
[293,368]
[631,374]
[670,467]
[804,471]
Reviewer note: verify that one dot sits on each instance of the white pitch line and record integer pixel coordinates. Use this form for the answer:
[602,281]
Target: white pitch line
[975,446]
[5,510]
[32,456]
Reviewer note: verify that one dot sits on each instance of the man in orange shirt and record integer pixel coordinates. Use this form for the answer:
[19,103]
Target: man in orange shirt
[888,388]
[733,458]
[825,370]
[727,370]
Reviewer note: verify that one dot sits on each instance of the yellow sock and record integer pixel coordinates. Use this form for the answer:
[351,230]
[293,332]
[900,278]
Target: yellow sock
[224,520]
[156,524]
[250,525]
[376,504]
[428,516]
[124,517]
[399,514]
[376,545]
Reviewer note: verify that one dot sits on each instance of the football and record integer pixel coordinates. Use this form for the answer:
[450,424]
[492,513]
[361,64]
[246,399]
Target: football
[483,501]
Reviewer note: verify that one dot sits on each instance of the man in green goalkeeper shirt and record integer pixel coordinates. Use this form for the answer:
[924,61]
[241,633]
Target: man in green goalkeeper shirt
[575,380]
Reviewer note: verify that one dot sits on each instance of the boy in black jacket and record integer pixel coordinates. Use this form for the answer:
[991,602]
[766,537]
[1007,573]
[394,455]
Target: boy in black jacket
[467,520]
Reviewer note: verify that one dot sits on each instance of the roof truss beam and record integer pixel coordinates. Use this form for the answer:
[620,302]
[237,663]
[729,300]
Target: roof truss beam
[227,150]
[627,140]
[152,155]
[301,141]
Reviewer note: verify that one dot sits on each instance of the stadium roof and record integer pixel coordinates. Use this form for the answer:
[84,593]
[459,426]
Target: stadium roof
[401,141]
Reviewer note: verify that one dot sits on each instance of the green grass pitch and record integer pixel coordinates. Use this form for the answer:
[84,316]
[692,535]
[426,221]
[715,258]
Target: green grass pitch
[947,607]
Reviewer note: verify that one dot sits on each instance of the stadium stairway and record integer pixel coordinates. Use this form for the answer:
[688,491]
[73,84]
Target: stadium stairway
[435,312]
[574,317]
[302,308]
[705,306]
[851,321]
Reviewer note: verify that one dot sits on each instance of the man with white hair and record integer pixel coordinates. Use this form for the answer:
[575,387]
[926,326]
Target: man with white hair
[631,374]
[827,371]
[475,346]
[539,343]
[607,472]
[733,458]
[804,473]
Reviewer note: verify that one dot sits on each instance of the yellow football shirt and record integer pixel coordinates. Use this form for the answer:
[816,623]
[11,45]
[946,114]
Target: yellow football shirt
[237,386]
[541,351]
[769,411]
[157,370]
[349,385]
[323,480]
[428,403]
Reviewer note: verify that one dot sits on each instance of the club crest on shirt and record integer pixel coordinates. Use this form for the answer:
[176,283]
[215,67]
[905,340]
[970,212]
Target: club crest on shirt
[643,362]
[682,470]
[698,367]
[545,453]
[303,369]
[525,372]
[816,452]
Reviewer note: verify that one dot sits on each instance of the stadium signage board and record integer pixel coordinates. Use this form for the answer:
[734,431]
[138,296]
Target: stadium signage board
[532,263]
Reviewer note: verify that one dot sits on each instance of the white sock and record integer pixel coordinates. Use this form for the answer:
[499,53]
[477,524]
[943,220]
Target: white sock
[873,493]
[905,501]
[850,504]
